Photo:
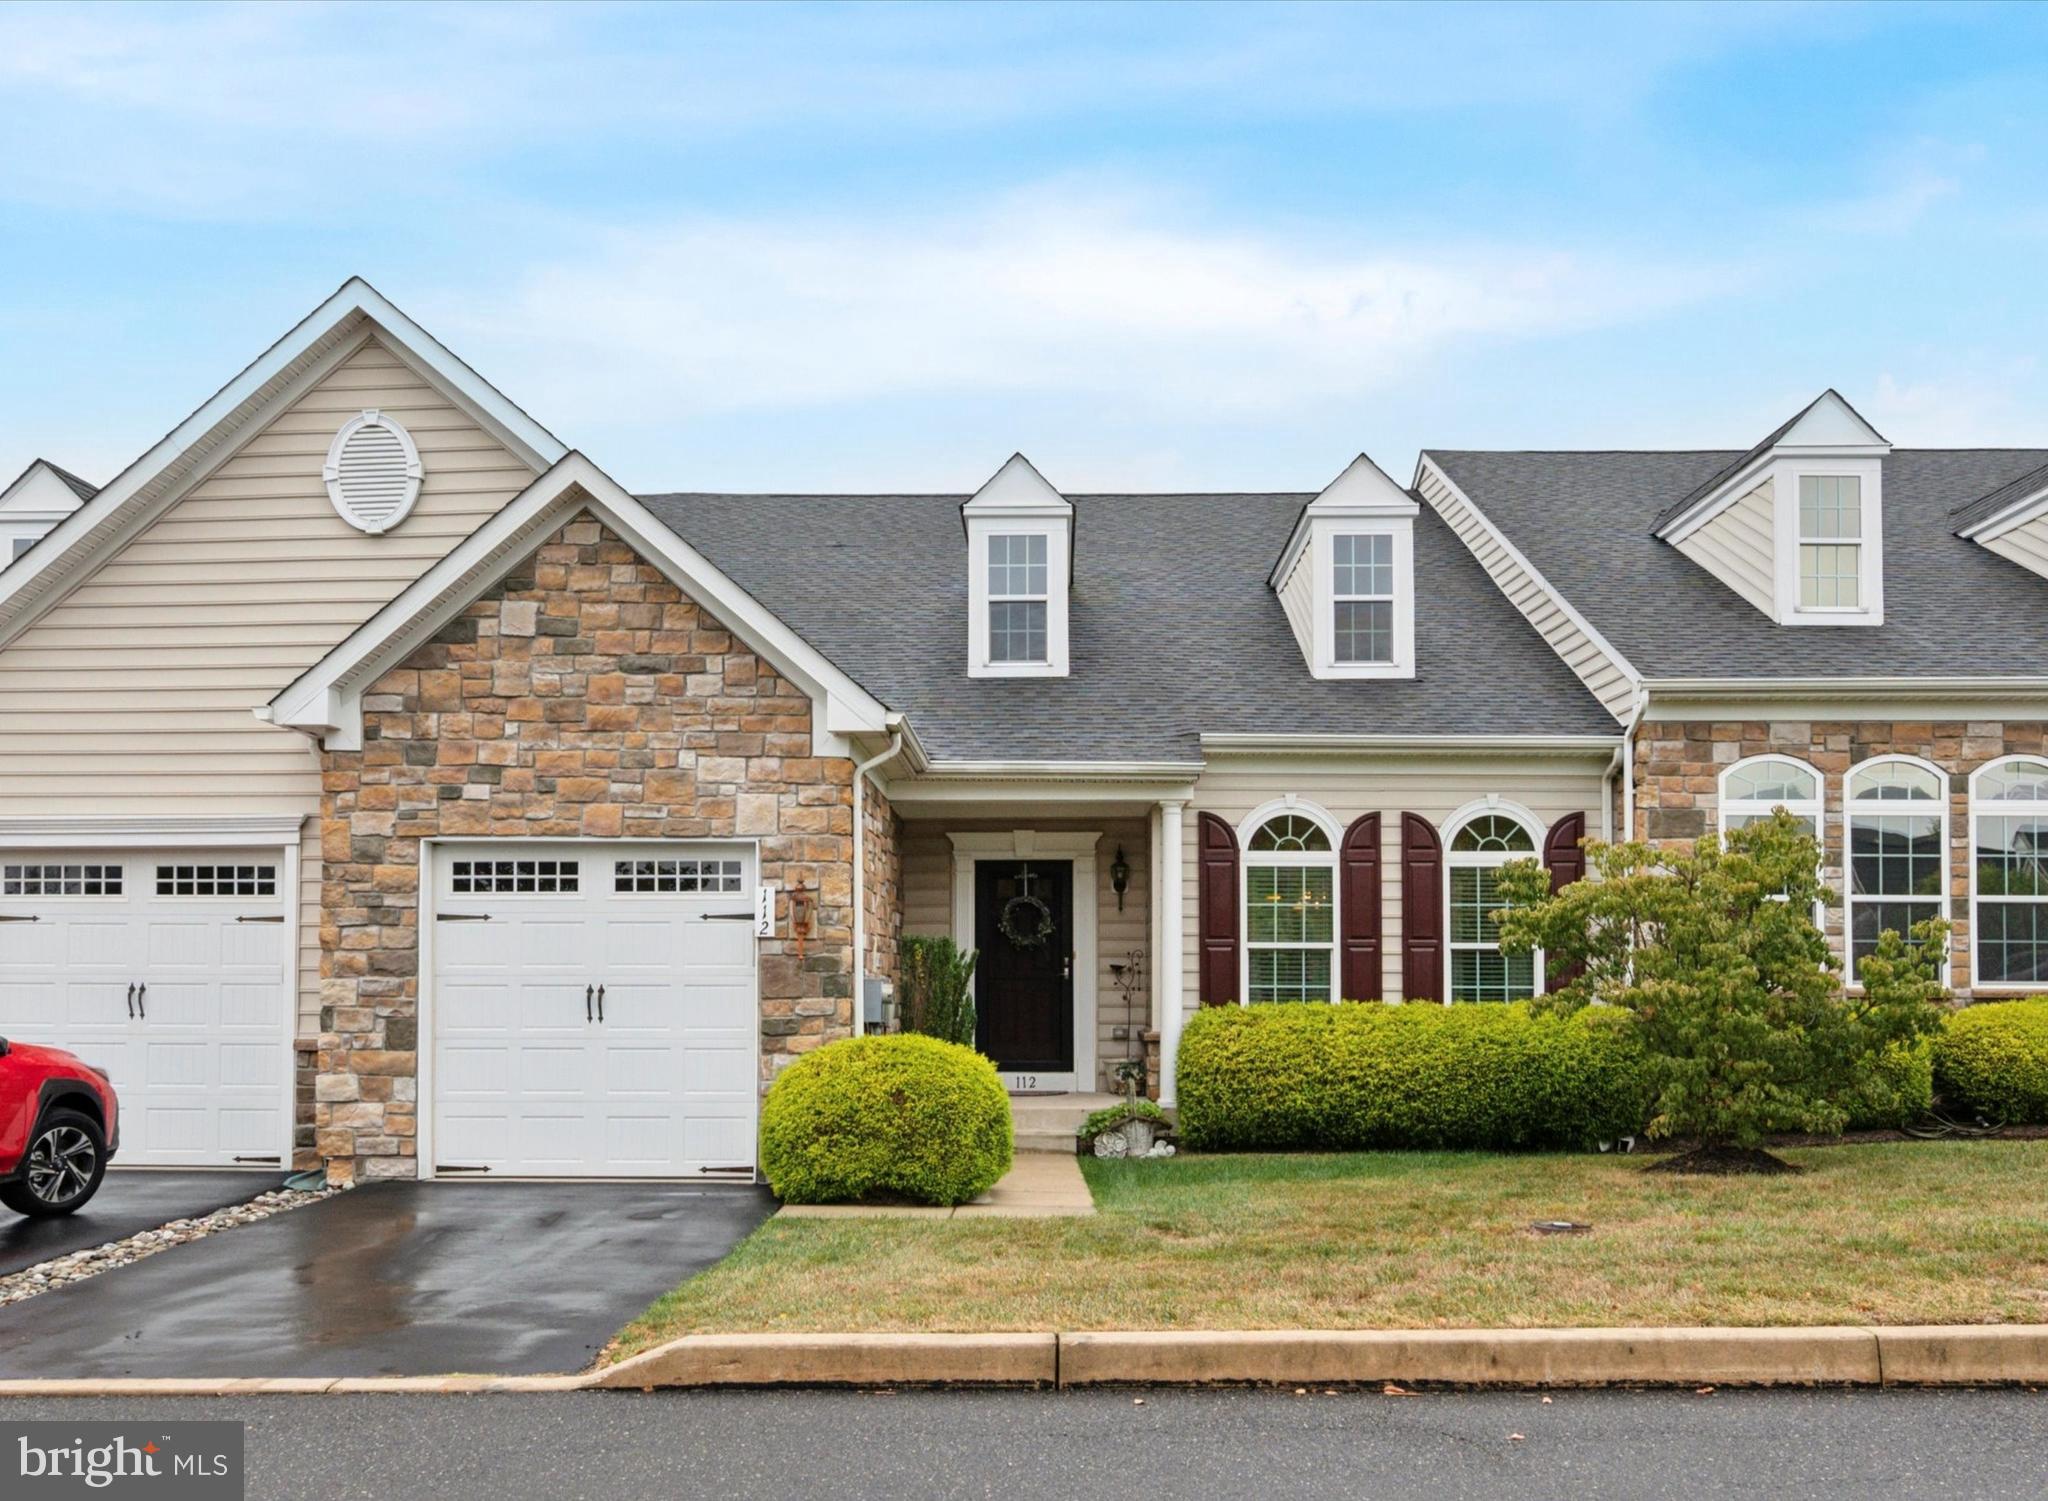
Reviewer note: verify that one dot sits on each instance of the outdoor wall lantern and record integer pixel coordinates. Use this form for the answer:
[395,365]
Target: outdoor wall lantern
[1119,876]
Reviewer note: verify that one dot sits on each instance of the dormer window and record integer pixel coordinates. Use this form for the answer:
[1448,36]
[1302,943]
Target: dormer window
[1830,542]
[1020,539]
[1346,579]
[1362,596]
[1017,598]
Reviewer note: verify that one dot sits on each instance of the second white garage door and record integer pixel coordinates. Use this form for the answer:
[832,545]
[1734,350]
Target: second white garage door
[595,1010]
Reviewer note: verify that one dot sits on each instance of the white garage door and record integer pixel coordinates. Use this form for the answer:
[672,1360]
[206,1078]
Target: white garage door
[595,1010]
[170,969]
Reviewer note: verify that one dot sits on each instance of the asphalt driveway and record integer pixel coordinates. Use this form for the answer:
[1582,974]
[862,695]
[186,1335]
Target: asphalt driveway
[393,1279]
[130,1200]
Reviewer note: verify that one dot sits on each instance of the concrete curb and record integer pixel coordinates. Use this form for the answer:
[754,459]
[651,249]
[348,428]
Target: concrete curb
[1922,1355]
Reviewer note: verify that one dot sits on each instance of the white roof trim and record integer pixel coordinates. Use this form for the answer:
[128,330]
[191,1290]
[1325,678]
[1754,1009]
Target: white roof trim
[1018,489]
[1828,427]
[1539,745]
[2018,514]
[189,450]
[326,699]
[93,831]
[1550,592]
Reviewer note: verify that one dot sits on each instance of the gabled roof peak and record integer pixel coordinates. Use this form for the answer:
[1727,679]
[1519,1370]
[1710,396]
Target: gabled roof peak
[1018,487]
[1826,422]
[44,486]
[1362,483]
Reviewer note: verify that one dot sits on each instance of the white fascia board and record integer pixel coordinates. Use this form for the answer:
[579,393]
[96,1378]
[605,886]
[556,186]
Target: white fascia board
[1550,592]
[1857,697]
[83,831]
[1535,745]
[2018,514]
[1018,489]
[327,698]
[181,457]
[1718,499]
[1761,687]
[1044,771]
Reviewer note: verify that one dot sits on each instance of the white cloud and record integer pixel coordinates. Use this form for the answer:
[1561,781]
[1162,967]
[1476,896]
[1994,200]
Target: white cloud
[1994,406]
[1055,292]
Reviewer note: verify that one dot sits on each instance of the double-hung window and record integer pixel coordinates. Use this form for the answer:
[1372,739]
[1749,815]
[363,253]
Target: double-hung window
[1897,811]
[1017,597]
[1290,911]
[1830,542]
[1362,596]
[2009,885]
[1478,848]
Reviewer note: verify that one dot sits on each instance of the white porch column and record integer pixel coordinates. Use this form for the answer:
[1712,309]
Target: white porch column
[1172,944]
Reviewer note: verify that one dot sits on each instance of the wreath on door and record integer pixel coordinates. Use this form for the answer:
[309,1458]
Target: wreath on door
[1026,921]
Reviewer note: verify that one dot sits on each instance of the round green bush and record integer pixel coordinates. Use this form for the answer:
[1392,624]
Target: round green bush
[906,1115]
[1899,1091]
[1294,1077]
[1994,1058]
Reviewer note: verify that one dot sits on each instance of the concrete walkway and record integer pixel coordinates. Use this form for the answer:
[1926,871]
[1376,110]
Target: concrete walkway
[1039,1185]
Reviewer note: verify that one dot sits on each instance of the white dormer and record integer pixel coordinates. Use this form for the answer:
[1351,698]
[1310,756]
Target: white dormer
[1347,577]
[39,498]
[1020,547]
[1796,525]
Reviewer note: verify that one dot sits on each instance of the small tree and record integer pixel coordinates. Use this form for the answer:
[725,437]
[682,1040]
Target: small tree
[935,999]
[1743,1016]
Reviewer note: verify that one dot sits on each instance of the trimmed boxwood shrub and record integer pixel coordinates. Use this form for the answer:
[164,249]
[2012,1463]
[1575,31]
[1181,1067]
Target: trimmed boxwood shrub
[1994,1058]
[1298,1077]
[907,1115]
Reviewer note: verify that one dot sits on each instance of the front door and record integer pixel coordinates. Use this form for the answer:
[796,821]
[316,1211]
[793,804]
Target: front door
[1024,980]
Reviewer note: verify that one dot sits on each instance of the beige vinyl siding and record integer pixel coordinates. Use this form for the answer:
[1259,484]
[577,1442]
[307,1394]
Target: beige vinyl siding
[928,912]
[2026,545]
[1346,788]
[1736,548]
[1604,676]
[1297,598]
[139,685]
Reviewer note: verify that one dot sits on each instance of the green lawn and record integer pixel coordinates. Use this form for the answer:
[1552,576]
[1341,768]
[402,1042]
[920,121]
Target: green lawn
[1908,1232]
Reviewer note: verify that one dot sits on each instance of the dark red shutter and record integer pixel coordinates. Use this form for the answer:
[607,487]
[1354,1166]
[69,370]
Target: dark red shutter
[1422,910]
[1562,851]
[1216,892]
[1566,857]
[1358,900]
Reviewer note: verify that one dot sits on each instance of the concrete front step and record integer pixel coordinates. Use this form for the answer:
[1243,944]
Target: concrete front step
[1051,1123]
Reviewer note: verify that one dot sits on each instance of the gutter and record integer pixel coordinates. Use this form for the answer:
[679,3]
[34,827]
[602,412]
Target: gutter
[1309,744]
[897,740]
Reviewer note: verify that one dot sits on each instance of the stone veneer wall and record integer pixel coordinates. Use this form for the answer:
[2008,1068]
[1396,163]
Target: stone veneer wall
[1679,764]
[882,877]
[583,696]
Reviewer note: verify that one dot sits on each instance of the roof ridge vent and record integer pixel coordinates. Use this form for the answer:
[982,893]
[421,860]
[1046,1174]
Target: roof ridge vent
[373,472]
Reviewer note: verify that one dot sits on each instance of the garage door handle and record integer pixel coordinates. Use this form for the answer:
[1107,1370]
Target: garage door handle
[600,1003]
[131,1000]
[725,917]
[588,991]
[20,917]
[462,917]
[141,1010]
[275,917]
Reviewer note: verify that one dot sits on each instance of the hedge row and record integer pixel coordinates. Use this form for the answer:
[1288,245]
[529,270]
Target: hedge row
[1339,1078]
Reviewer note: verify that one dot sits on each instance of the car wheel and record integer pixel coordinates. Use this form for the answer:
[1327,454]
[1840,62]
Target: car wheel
[66,1158]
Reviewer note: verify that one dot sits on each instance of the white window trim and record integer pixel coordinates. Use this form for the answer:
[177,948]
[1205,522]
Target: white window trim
[1257,819]
[1814,808]
[1539,833]
[1785,474]
[1323,534]
[1873,807]
[980,529]
[2025,808]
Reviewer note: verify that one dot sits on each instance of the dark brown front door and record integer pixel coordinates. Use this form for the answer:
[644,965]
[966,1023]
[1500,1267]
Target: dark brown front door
[1024,980]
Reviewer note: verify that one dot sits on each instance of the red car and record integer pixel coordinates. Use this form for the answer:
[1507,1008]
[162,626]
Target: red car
[59,1126]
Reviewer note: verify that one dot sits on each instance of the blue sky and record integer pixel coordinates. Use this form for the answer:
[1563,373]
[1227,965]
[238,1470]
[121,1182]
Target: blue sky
[1159,247]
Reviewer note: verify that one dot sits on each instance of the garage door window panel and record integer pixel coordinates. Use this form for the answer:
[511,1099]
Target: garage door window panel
[216,880]
[514,877]
[60,880]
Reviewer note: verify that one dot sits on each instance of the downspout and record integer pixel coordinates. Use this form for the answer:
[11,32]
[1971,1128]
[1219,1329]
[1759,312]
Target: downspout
[860,893]
[1628,764]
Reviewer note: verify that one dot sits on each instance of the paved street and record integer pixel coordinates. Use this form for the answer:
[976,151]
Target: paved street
[1212,1445]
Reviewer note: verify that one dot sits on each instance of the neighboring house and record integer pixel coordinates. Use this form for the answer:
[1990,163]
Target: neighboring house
[383,786]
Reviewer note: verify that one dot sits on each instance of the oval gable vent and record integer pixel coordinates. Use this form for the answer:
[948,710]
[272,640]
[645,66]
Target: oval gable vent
[373,472]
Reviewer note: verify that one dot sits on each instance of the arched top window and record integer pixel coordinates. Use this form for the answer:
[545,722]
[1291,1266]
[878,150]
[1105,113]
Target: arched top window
[1756,788]
[1291,832]
[1493,833]
[1478,841]
[1290,900]
[1897,816]
[2009,874]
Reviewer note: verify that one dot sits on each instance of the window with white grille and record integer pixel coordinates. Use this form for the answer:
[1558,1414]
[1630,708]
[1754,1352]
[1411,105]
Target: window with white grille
[683,877]
[216,880]
[373,472]
[533,877]
[60,880]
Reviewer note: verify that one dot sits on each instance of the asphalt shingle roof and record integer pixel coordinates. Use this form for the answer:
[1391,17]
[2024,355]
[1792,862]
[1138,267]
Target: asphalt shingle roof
[1174,629]
[1952,608]
[1984,507]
